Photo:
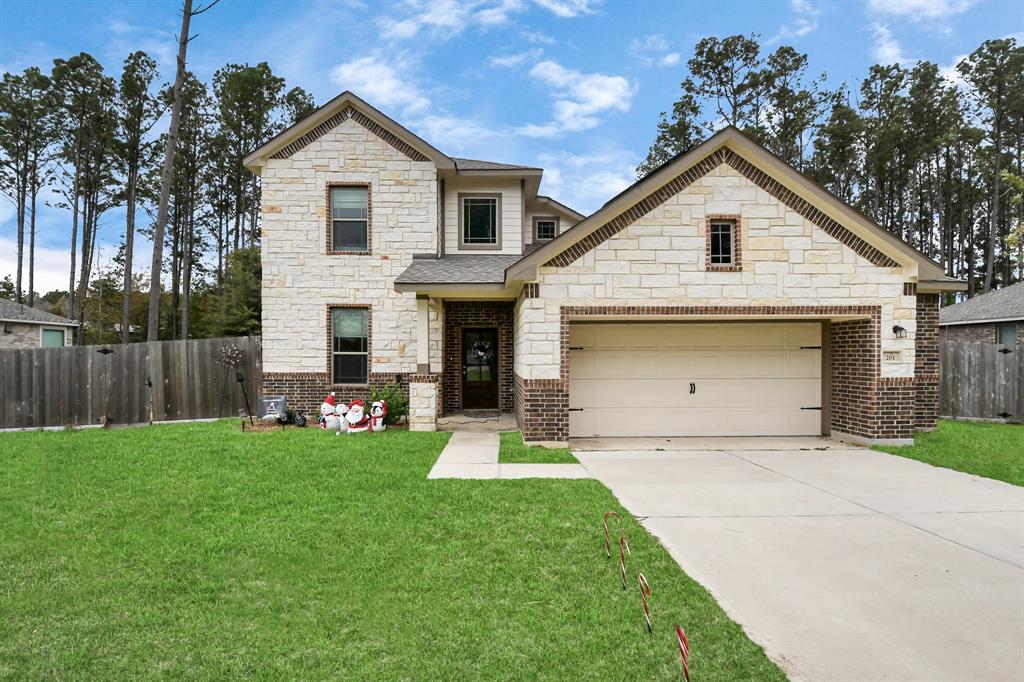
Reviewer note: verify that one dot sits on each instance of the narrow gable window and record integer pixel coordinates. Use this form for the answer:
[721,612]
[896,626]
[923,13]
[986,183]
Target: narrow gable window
[479,222]
[350,211]
[349,345]
[545,229]
[723,237]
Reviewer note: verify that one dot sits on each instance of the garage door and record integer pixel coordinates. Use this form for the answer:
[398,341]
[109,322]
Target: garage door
[695,379]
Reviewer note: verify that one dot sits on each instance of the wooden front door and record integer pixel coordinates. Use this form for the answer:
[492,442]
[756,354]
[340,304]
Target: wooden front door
[479,368]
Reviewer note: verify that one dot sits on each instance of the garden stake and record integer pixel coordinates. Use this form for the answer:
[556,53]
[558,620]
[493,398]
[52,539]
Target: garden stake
[684,651]
[645,597]
[623,551]
[607,539]
[241,382]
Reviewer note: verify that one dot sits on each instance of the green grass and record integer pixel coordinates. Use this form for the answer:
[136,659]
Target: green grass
[514,451]
[197,551]
[989,450]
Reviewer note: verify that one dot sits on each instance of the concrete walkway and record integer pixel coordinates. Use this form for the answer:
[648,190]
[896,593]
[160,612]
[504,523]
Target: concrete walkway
[842,562]
[475,455]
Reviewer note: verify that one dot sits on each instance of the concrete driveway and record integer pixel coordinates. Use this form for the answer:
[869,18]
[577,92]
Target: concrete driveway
[844,563]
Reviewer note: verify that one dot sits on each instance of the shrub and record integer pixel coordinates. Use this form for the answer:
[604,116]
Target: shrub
[398,406]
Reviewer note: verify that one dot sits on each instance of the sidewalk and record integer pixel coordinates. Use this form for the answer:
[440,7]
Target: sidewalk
[475,455]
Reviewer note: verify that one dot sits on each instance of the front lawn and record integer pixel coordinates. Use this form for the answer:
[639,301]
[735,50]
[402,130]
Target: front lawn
[197,551]
[514,451]
[990,450]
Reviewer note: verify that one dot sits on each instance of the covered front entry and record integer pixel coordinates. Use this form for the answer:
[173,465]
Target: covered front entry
[695,379]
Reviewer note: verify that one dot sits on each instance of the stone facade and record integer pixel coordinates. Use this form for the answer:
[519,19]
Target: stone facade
[788,260]
[25,335]
[424,396]
[301,277]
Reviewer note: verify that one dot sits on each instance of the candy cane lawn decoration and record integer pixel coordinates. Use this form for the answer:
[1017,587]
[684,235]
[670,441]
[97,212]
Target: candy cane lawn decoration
[623,551]
[645,596]
[684,651]
[607,539]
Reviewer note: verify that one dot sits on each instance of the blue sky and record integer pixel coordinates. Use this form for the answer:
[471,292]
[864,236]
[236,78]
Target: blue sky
[574,86]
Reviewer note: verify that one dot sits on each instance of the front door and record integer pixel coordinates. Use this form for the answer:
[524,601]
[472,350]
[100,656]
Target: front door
[479,369]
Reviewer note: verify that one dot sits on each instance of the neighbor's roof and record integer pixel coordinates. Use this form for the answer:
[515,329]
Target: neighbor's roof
[457,269]
[10,311]
[1002,304]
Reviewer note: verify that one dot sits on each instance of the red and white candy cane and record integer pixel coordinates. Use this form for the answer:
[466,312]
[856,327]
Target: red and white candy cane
[607,538]
[684,651]
[623,551]
[645,597]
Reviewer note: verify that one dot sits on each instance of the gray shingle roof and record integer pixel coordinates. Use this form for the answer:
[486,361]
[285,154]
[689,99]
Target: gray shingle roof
[1002,304]
[9,310]
[460,269]
[476,164]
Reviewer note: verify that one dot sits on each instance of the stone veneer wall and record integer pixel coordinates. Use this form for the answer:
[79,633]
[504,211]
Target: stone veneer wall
[926,362]
[301,277]
[424,395]
[459,314]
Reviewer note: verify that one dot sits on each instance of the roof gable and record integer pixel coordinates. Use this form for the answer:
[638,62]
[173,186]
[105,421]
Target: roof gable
[334,113]
[731,147]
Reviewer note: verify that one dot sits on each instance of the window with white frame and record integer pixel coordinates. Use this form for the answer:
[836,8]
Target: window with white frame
[723,242]
[350,212]
[545,229]
[350,345]
[479,221]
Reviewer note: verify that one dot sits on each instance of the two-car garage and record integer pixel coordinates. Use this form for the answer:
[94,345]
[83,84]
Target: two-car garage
[695,379]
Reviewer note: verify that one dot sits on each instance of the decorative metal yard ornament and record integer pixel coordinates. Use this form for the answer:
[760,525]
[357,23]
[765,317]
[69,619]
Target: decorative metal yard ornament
[229,357]
[684,651]
[623,551]
[607,538]
[645,597]
[241,382]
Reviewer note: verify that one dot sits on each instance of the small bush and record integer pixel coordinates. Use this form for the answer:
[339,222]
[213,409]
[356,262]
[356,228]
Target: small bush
[398,406]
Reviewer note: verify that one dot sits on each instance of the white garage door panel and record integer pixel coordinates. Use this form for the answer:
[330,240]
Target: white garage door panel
[750,379]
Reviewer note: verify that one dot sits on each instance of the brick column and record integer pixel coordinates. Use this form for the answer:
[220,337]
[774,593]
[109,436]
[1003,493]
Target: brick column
[926,362]
[542,409]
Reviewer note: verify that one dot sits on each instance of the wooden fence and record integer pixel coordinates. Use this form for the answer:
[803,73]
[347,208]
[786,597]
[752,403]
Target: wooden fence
[981,381]
[135,383]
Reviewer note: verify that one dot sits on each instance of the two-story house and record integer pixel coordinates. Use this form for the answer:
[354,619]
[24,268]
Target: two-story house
[723,294]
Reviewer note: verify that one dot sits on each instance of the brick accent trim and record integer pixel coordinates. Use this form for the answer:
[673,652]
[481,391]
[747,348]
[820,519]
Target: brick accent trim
[424,378]
[926,362]
[702,168]
[306,390]
[737,243]
[330,344]
[330,220]
[339,118]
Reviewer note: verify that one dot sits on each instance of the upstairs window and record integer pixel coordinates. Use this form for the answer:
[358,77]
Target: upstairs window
[350,356]
[545,229]
[350,219]
[723,242]
[479,221]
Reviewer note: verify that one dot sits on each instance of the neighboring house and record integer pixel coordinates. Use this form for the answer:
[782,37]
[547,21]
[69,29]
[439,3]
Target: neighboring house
[993,317]
[723,294]
[25,327]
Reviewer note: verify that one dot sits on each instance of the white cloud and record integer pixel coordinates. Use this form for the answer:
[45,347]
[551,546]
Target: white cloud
[517,59]
[580,98]
[537,37]
[567,9]
[52,265]
[921,9]
[452,133]
[886,49]
[444,19]
[805,22]
[381,83]
[585,181]
[653,50]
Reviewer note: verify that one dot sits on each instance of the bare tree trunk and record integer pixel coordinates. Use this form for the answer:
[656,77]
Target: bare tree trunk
[32,249]
[993,217]
[74,248]
[129,241]
[22,188]
[153,333]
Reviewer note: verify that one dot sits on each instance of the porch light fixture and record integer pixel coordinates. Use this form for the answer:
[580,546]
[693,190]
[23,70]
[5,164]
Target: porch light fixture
[899,332]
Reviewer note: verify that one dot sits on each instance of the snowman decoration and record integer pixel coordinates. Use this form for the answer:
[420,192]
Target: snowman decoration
[328,413]
[358,420]
[378,410]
